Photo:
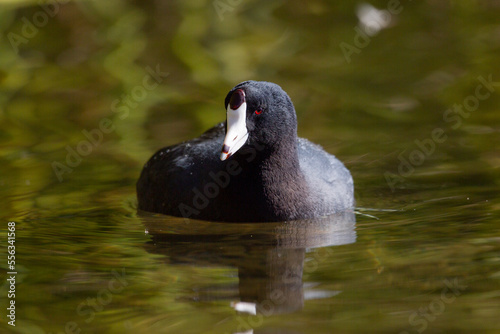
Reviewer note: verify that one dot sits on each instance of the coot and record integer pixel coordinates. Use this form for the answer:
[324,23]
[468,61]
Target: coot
[251,168]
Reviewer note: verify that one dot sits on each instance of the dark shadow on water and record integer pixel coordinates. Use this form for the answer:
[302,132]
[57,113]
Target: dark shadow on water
[269,257]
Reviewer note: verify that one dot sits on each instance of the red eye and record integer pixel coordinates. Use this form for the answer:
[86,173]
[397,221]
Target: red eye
[258,111]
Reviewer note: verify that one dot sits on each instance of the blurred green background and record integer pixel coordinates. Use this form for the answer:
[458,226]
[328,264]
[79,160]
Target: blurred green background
[68,66]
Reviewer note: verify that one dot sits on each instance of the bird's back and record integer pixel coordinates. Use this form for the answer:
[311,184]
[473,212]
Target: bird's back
[330,183]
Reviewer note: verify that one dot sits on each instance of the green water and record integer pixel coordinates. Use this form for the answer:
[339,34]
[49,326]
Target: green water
[90,89]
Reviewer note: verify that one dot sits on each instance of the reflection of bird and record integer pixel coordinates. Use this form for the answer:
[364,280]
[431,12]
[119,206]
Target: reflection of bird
[269,257]
[265,172]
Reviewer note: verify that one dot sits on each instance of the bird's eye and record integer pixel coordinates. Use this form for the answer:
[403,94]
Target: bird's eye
[258,111]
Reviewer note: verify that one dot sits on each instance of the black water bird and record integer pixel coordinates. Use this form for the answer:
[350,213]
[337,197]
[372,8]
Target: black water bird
[264,172]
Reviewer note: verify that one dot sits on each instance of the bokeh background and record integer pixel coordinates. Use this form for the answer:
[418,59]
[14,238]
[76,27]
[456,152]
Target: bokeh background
[67,66]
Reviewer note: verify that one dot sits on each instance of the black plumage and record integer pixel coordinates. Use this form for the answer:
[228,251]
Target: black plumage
[274,176]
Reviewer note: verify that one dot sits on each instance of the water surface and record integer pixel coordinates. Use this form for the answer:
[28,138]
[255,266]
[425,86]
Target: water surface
[90,93]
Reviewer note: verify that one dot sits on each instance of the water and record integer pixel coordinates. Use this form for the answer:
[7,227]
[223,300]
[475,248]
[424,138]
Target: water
[89,94]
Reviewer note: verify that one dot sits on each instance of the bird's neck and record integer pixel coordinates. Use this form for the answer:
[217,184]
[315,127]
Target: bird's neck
[277,179]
